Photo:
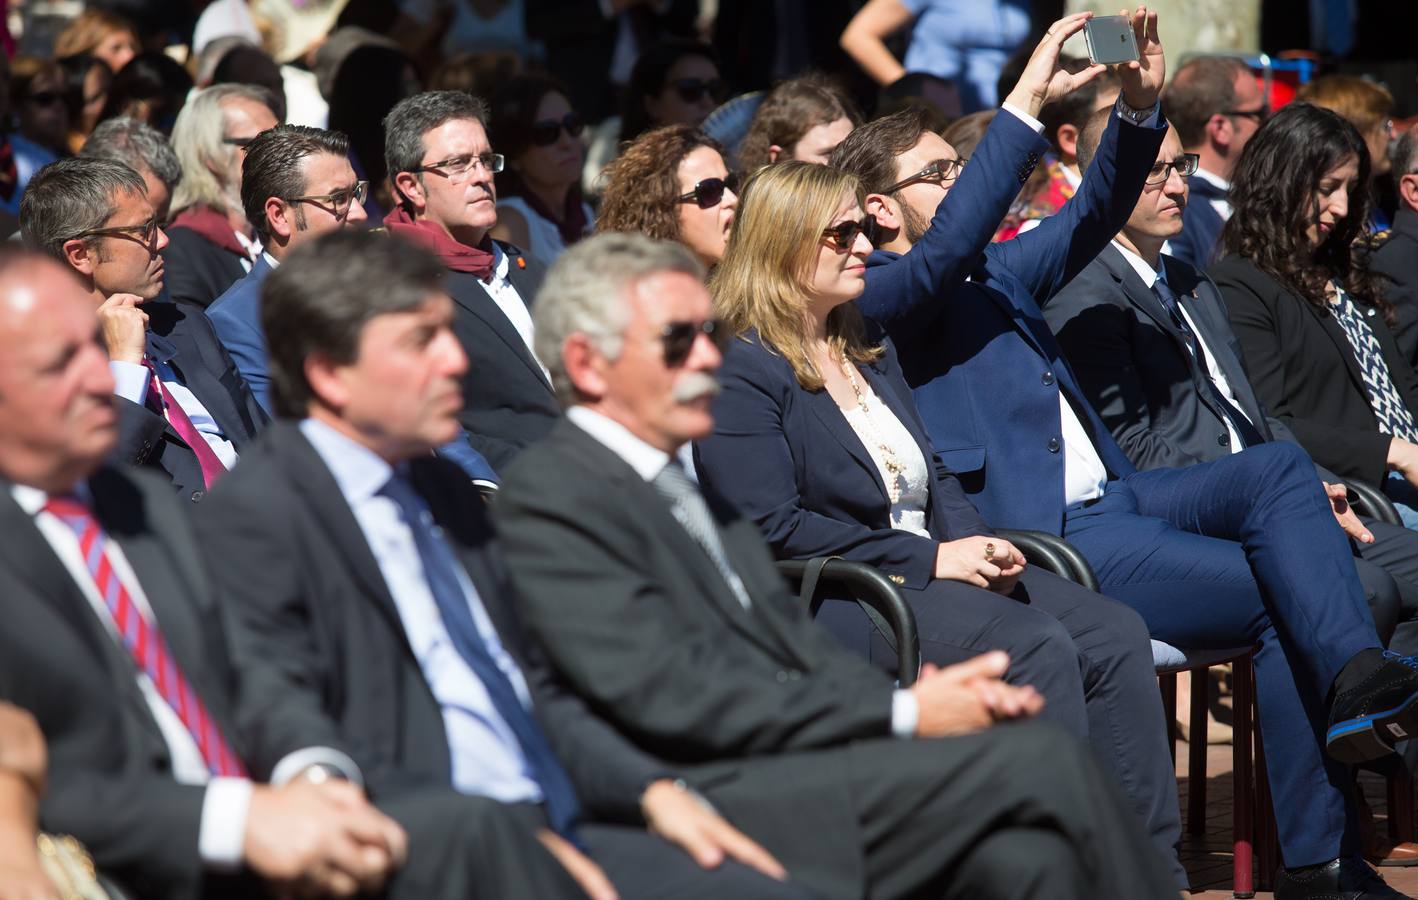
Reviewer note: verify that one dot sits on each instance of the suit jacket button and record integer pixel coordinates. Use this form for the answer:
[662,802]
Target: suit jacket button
[1223,439]
[1054,445]
[897,579]
[196,495]
[1048,379]
[782,677]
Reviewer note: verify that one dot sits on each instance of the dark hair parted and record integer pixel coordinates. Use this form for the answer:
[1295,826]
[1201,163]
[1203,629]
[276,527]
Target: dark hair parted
[1273,200]
[870,152]
[272,167]
[1202,88]
[323,294]
[642,184]
[413,117]
[648,78]
[71,196]
[791,110]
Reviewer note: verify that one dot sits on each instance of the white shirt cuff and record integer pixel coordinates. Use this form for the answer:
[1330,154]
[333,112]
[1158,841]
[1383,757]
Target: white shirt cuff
[130,381]
[1024,117]
[292,764]
[221,841]
[905,713]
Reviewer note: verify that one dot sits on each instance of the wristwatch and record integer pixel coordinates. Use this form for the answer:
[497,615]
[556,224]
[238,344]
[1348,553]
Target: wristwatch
[1133,114]
[319,773]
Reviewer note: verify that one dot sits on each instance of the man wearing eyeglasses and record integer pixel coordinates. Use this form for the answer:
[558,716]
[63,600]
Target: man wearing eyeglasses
[442,167]
[183,407]
[1215,104]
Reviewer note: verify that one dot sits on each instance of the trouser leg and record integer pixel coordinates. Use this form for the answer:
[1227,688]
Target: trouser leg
[1395,550]
[641,865]
[1019,864]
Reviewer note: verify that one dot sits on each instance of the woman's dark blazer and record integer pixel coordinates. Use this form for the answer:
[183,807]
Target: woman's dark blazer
[788,459]
[1305,373]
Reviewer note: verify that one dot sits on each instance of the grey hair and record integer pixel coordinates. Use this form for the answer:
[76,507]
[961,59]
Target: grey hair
[413,117]
[1405,154]
[137,145]
[587,292]
[197,137]
[70,196]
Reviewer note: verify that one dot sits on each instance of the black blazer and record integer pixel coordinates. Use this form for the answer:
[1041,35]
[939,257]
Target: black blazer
[198,271]
[1135,367]
[110,773]
[639,622]
[322,650]
[507,401]
[788,458]
[180,333]
[1304,371]
[1397,257]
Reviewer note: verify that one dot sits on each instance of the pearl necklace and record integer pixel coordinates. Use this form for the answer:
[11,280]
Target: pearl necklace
[894,466]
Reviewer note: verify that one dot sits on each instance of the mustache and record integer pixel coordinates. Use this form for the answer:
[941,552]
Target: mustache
[694,385]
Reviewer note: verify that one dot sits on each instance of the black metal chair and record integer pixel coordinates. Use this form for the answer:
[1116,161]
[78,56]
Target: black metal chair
[1369,501]
[825,577]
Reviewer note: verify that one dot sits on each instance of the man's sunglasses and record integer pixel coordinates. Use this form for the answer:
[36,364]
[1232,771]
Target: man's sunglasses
[1184,165]
[844,234]
[546,132]
[677,339]
[709,193]
[938,172]
[1259,115]
[692,90]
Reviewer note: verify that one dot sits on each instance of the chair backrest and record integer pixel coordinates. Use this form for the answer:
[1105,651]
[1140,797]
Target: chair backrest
[829,577]
[1373,503]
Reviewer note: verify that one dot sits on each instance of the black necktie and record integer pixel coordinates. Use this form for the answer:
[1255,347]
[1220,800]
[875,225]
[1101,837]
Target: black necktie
[1172,303]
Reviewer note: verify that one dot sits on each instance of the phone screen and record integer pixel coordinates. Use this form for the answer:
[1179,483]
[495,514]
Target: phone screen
[1110,40]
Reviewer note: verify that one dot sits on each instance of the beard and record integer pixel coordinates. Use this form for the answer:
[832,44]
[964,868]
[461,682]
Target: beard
[913,224]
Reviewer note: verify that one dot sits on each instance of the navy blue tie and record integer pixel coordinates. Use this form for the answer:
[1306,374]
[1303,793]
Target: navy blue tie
[439,567]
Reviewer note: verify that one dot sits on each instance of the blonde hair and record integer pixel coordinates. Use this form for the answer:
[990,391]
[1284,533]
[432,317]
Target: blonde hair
[762,281]
[88,29]
[198,140]
[1357,99]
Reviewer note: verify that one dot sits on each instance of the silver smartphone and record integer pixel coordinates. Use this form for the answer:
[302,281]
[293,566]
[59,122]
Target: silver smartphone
[1110,40]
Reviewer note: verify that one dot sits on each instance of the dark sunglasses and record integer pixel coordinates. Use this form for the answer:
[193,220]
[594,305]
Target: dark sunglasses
[45,98]
[938,172]
[692,90]
[1259,115]
[678,338]
[546,132]
[709,193]
[844,234]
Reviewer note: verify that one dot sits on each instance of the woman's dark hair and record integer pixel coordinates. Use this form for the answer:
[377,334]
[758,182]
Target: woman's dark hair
[1273,197]
[514,110]
[151,88]
[76,72]
[642,184]
[648,79]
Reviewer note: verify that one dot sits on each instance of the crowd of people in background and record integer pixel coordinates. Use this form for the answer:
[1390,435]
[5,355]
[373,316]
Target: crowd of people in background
[405,407]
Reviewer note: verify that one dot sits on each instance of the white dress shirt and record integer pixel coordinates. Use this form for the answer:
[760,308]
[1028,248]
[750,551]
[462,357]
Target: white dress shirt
[512,304]
[1220,204]
[222,834]
[487,758]
[131,382]
[1149,277]
[647,461]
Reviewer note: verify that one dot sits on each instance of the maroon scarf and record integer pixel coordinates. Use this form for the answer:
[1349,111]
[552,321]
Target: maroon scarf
[455,255]
[212,225]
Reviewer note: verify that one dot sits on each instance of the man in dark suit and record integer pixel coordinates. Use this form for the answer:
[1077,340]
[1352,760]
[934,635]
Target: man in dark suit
[663,608]
[114,642]
[1397,253]
[183,407]
[1236,552]
[408,657]
[442,166]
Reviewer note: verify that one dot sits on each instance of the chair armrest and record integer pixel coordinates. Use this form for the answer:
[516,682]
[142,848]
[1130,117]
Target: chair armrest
[1051,552]
[867,586]
[1371,502]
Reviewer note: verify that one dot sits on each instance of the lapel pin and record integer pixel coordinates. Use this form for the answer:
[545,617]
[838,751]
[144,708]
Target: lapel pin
[521,262]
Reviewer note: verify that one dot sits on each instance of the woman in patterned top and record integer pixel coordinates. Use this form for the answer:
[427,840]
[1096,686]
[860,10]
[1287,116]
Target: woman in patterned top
[1311,318]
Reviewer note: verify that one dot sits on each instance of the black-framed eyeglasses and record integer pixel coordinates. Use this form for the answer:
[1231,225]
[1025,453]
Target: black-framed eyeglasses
[1184,165]
[677,338]
[145,233]
[339,201]
[242,142]
[455,168]
[938,172]
[546,132]
[844,234]
[709,192]
[1256,115]
[692,90]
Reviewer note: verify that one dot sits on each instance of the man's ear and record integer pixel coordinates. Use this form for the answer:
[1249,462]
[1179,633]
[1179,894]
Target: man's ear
[885,210]
[81,257]
[1067,138]
[585,366]
[1220,131]
[1408,190]
[411,187]
[774,151]
[326,383]
[279,218]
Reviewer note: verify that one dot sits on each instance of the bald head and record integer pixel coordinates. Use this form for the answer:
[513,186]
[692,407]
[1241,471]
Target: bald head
[57,417]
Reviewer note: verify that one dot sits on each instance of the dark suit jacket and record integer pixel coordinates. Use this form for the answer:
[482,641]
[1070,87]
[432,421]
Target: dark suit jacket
[179,333]
[639,622]
[1397,257]
[507,401]
[322,649]
[236,318]
[985,367]
[198,271]
[1304,371]
[110,773]
[789,459]
[1199,241]
[1135,367]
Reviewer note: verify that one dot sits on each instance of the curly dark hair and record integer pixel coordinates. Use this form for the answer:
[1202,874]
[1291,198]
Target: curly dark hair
[642,184]
[1273,198]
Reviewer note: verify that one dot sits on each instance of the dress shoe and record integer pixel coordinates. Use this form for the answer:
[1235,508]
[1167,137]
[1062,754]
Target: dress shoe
[1375,704]
[1347,878]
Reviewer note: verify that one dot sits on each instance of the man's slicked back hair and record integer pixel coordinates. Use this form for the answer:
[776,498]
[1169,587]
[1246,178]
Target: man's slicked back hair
[71,196]
[137,145]
[870,151]
[274,167]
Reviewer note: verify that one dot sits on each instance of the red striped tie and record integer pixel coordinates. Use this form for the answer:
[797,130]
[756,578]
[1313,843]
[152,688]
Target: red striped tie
[144,641]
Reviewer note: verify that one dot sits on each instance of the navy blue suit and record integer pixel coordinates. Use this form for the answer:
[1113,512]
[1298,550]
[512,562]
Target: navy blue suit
[1231,552]
[236,317]
[788,459]
[1201,225]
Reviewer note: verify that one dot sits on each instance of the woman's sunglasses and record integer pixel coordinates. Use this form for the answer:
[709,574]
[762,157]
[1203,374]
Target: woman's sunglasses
[709,193]
[844,234]
[678,338]
[546,132]
[692,90]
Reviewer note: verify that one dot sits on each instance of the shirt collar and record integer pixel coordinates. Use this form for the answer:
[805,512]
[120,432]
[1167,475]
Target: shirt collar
[1213,179]
[32,499]
[1144,271]
[499,263]
[270,260]
[647,461]
[358,470]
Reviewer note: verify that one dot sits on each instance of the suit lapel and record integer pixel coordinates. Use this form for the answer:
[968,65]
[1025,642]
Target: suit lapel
[469,293]
[835,421]
[1331,326]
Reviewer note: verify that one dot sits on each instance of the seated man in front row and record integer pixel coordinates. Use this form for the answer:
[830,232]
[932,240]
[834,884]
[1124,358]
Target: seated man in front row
[665,611]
